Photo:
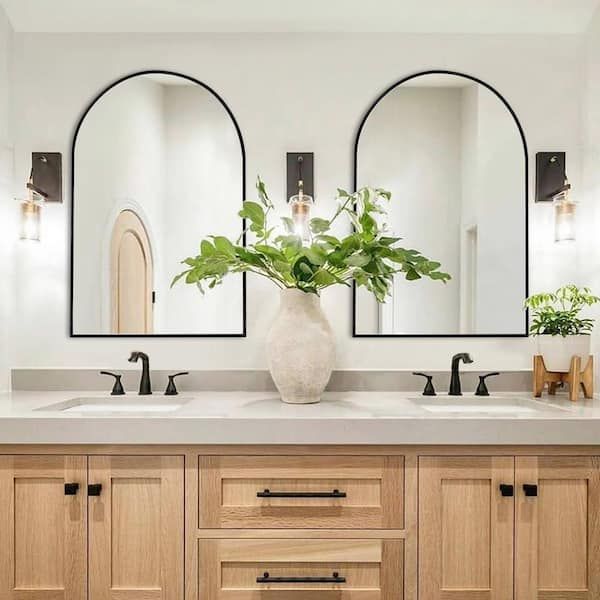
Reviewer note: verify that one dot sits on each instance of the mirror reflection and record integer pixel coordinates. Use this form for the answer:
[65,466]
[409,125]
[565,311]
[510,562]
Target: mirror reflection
[157,165]
[451,153]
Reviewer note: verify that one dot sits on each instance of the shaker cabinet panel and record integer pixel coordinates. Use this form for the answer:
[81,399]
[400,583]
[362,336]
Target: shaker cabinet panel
[466,519]
[303,569]
[558,528]
[331,492]
[43,528]
[136,534]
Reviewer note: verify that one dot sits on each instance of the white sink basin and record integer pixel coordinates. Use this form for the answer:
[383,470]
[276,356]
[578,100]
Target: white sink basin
[119,404]
[489,405]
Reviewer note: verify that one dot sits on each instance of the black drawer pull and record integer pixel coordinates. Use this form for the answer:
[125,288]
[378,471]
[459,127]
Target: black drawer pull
[507,490]
[71,489]
[530,489]
[270,494]
[94,489]
[335,578]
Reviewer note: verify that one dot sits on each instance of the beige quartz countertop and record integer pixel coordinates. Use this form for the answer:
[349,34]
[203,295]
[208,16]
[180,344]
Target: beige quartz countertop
[261,418]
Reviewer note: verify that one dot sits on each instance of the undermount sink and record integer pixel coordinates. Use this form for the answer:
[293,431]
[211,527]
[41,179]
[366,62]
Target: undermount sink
[484,405]
[118,404]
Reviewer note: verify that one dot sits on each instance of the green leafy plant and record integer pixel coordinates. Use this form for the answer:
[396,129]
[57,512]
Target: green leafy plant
[368,256]
[558,313]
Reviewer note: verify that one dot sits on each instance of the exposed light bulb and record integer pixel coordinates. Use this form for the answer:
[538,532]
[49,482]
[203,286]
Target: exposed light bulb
[564,217]
[301,205]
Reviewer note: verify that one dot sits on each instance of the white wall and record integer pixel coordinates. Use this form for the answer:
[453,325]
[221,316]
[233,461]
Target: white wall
[288,92]
[7,204]
[589,196]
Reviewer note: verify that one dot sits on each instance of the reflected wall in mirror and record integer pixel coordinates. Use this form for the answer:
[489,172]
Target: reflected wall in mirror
[158,163]
[453,154]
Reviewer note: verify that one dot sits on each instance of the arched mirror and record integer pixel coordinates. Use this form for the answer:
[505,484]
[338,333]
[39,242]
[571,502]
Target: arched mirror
[452,153]
[158,164]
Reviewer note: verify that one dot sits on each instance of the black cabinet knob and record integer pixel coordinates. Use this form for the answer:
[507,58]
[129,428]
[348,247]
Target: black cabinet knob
[71,489]
[94,489]
[507,490]
[530,489]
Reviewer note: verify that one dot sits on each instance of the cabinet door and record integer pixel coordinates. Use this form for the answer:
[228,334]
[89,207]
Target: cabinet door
[466,528]
[558,530]
[301,569]
[136,528]
[43,545]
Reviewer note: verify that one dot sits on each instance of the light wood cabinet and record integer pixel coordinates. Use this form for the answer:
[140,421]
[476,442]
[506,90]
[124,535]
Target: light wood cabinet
[302,569]
[136,528]
[43,531]
[558,528]
[465,528]
[301,492]
[132,529]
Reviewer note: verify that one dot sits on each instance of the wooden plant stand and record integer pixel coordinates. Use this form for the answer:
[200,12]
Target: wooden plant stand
[576,378]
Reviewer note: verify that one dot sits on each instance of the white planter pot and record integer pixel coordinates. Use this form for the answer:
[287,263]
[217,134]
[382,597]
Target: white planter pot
[558,350]
[300,348]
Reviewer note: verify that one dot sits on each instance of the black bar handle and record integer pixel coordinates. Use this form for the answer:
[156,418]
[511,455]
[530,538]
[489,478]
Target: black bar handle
[335,578]
[71,489]
[530,489]
[507,490]
[94,489]
[269,494]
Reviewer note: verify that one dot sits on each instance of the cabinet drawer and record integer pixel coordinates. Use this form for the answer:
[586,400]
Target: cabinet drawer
[332,492]
[301,569]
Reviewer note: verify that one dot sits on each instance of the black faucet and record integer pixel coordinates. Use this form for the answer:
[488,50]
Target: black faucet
[455,389]
[145,384]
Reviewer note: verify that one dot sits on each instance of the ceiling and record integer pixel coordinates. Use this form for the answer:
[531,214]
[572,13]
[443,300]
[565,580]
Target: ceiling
[410,16]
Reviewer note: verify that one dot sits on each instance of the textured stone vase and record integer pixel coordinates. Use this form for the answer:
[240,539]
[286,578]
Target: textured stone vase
[300,348]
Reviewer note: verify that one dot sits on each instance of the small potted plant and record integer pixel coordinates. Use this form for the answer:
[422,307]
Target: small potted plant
[302,258]
[557,323]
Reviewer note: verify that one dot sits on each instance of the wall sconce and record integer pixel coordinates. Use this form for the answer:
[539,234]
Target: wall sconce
[300,183]
[44,185]
[552,185]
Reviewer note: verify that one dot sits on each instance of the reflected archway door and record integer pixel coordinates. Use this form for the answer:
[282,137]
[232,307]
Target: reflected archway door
[131,276]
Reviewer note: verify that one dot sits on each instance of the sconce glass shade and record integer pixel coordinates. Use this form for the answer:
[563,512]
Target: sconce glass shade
[564,218]
[31,210]
[301,206]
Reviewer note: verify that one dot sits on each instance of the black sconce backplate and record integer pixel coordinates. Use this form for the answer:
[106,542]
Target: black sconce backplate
[550,169]
[308,178]
[46,171]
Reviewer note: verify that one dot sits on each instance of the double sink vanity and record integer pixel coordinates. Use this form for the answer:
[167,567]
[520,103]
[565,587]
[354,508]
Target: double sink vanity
[236,496]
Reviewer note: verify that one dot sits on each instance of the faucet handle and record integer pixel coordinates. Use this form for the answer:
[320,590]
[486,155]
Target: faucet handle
[118,386]
[429,389]
[482,389]
[171,388]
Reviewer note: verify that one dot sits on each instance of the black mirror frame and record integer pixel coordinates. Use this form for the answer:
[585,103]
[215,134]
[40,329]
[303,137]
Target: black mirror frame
[526,160]
[72,333]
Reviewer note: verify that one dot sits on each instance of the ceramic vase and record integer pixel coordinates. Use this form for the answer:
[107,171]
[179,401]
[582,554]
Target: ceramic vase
[558,350]
[300,348]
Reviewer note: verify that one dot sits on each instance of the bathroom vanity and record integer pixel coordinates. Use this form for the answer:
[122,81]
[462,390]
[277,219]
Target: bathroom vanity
[373,496]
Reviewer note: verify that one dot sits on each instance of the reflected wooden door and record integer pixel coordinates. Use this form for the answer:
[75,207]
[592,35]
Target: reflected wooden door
[558,528]
[131,276]
[136,528]
[466,528]
[43,528]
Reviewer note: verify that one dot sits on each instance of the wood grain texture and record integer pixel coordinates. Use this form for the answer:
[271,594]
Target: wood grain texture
[465,528]
[229,567]
[43,552]
[558,532]
[228,486]
[136,533]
